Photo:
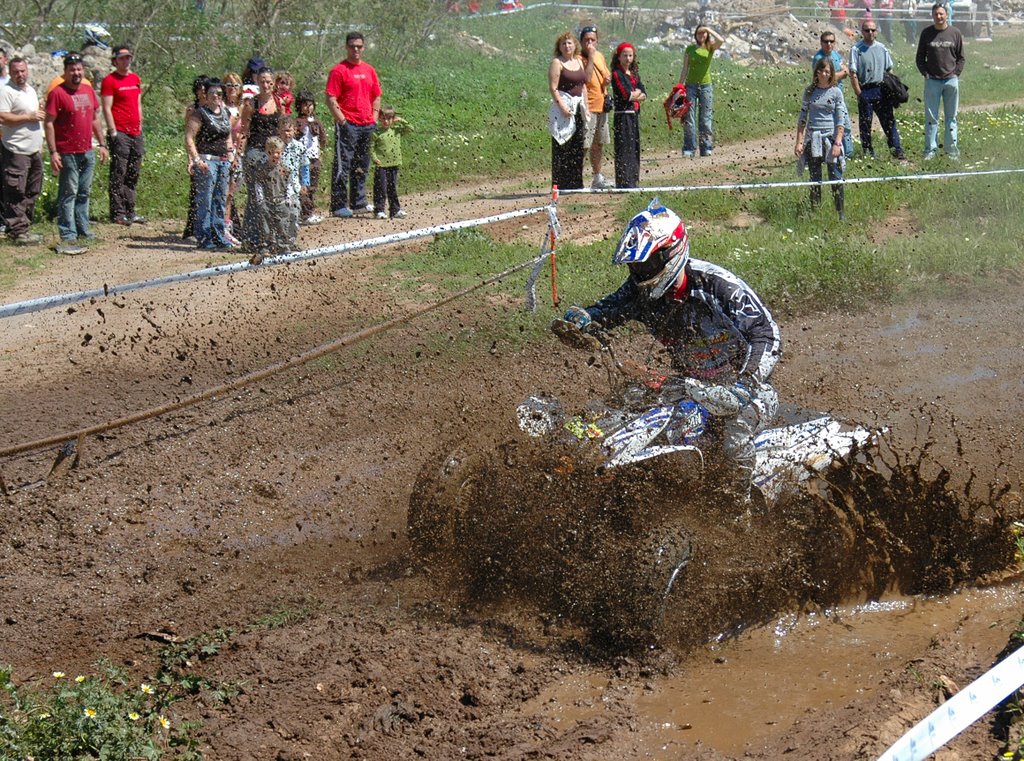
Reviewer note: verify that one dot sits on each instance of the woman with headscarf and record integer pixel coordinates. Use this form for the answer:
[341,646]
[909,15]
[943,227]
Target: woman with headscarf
[568,75]
[627,94]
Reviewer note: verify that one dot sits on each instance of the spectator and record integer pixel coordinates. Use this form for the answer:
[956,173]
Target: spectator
[210,153]
[597,135]
[837,12]
[353,96]
[271,179]
[4,79]
[864,16]
[386,152]
[232,84]
[284,83]
[72,120]
[297,162]
[984,26]
[627,94]
[819,131]
[869,60]
[21,153]
[910,21]
[828,48]
[259,123]
[940,59]
[568,75]
[311,133]
[198,99]
[696,75]
[885,20]
[121,94]
[250,87]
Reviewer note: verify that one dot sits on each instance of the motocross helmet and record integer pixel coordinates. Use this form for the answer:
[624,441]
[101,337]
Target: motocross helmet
[656,249]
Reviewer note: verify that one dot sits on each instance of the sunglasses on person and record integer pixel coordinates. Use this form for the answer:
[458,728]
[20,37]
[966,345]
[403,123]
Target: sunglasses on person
[828,42]
[355,47]
[869,31]
[588,30]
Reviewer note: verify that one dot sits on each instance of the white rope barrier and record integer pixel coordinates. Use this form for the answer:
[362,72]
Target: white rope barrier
[793,183]
[960,711]
[63,299]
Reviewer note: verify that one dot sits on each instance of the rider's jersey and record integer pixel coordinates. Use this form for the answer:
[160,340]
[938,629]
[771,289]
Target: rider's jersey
[718,329]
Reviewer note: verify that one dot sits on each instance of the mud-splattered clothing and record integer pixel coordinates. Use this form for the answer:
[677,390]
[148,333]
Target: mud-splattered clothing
[718,327]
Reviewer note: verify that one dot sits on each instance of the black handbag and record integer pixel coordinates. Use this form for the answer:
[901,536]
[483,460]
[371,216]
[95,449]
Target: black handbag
[607,104]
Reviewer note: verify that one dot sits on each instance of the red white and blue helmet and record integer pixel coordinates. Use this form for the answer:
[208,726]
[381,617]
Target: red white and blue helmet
[655,247]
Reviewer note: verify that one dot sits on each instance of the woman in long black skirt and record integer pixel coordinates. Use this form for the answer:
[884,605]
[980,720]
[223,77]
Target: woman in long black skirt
[627,94]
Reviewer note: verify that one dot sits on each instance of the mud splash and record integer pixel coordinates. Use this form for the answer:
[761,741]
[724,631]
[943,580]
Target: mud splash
[653,556]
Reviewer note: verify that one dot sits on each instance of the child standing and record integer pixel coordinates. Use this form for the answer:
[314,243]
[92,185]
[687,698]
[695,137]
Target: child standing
[283,85]
[313,137]
[386,152]
[295,158]
[278,214]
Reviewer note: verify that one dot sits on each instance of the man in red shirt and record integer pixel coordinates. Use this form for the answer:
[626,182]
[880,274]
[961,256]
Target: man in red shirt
[121,93]
[72,120]
[353,95]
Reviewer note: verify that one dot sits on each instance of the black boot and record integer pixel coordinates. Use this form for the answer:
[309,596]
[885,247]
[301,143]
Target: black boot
[838,198]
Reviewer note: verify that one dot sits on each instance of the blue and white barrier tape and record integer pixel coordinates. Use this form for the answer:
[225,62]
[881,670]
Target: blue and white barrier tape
[63,299]
[960,711]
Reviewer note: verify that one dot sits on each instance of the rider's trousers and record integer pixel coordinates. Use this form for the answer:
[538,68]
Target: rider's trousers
[738,432]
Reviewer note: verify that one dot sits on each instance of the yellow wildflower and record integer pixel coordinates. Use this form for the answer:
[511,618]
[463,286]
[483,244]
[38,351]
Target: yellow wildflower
[90,712]
[133,716]
[147,689]
[58,674]
[165,722]
[79,678]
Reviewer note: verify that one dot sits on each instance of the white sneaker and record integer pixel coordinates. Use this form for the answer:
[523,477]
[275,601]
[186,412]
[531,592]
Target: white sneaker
[600,183]
[313,219]
[381,215]
[400,213]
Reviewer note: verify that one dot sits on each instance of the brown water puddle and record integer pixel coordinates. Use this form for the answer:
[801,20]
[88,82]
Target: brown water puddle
[737,694]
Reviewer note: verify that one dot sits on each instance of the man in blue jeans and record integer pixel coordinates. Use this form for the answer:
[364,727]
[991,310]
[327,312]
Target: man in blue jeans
[73,118]
[940,59]
[869,60]
[353,96]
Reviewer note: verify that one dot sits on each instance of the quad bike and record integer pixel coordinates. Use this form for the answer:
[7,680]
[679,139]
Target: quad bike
[594,516]
[660,416]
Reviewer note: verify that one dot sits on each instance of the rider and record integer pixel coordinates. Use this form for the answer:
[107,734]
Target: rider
[714,325]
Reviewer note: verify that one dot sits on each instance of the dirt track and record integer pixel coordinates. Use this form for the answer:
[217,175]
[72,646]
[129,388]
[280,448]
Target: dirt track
[291,496]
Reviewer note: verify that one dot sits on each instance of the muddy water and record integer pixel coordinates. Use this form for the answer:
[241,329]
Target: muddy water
[740,692]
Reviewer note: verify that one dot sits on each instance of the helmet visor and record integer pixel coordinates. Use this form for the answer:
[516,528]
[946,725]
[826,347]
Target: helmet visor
[651,268]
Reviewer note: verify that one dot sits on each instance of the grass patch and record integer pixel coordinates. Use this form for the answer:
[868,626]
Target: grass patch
[107,715]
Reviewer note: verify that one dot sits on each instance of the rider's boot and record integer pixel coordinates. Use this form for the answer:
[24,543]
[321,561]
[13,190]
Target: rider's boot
[838,199]
[815,196]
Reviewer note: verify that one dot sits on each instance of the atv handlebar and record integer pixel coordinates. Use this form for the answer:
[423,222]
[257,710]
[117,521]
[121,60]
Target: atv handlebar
[719,400]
